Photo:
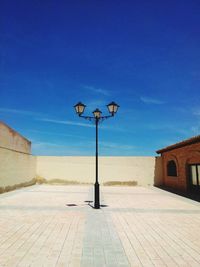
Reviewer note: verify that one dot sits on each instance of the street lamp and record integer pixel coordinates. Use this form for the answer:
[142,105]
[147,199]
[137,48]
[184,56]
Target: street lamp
[112,108]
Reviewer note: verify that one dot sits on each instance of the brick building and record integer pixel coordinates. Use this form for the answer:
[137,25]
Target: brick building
[181,165]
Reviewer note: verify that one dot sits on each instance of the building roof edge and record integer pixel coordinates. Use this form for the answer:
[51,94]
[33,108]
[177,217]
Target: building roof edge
[183,143]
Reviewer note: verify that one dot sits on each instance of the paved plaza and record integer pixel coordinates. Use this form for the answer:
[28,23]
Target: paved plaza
[47,225]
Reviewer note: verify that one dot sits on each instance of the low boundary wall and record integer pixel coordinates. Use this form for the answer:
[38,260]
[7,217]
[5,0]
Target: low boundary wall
[17,169]
[17,165]
[111,169]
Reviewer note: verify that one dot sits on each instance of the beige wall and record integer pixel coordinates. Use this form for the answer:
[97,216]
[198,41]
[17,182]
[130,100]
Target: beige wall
[158,175]
[12,140]
[17,166]
[82,169]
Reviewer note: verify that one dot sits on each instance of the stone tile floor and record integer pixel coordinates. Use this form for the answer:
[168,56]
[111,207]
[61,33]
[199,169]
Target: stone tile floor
[139,227]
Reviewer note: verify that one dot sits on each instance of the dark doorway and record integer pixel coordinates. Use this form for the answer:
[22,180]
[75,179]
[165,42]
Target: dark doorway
[194,177]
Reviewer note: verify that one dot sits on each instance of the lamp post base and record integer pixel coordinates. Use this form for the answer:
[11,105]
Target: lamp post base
[96,196]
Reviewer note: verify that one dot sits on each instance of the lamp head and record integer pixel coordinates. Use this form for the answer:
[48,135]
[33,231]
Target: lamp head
[97,113]
[79,107]
[112,108]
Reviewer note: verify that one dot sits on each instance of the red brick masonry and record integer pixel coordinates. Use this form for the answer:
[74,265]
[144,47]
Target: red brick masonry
[183,154]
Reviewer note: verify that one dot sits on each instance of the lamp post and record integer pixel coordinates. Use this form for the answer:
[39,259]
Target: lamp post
[112,108]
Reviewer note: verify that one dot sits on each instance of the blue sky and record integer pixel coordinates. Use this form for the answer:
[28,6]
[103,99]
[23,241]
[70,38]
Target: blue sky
[144,55]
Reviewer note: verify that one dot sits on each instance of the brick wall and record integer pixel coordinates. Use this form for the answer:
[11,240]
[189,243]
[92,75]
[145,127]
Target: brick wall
[183,156]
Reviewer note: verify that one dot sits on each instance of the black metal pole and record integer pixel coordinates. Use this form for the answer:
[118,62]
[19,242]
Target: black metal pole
[96,186]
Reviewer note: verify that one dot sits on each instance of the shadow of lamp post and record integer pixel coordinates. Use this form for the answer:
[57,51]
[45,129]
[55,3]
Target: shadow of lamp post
[97,117]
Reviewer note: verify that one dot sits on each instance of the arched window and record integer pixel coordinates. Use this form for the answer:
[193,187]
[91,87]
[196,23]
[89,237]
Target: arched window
[171,168]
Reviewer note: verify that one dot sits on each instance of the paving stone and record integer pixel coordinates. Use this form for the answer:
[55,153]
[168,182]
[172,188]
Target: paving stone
[139,227]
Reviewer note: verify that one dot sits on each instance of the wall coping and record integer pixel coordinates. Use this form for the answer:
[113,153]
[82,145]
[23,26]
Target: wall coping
[4,124]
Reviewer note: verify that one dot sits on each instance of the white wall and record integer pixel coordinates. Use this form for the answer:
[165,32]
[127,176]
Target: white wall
[82,169]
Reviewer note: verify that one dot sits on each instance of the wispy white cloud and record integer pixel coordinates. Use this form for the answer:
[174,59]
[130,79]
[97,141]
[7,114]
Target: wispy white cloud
[67,122]
[116,146]
[195,130]
[20,112]
[56,149]
[88,124]
[149,100]
[43,144]
[167,128]
[54,134]
[196,111]
[97,90]
[80,148]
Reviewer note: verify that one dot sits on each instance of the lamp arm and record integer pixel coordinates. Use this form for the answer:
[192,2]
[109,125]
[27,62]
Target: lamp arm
[87,117]
[106,117]
[90,118]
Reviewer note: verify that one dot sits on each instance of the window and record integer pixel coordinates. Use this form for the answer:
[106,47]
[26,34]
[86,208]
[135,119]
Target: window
[171,168]
[195,174]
